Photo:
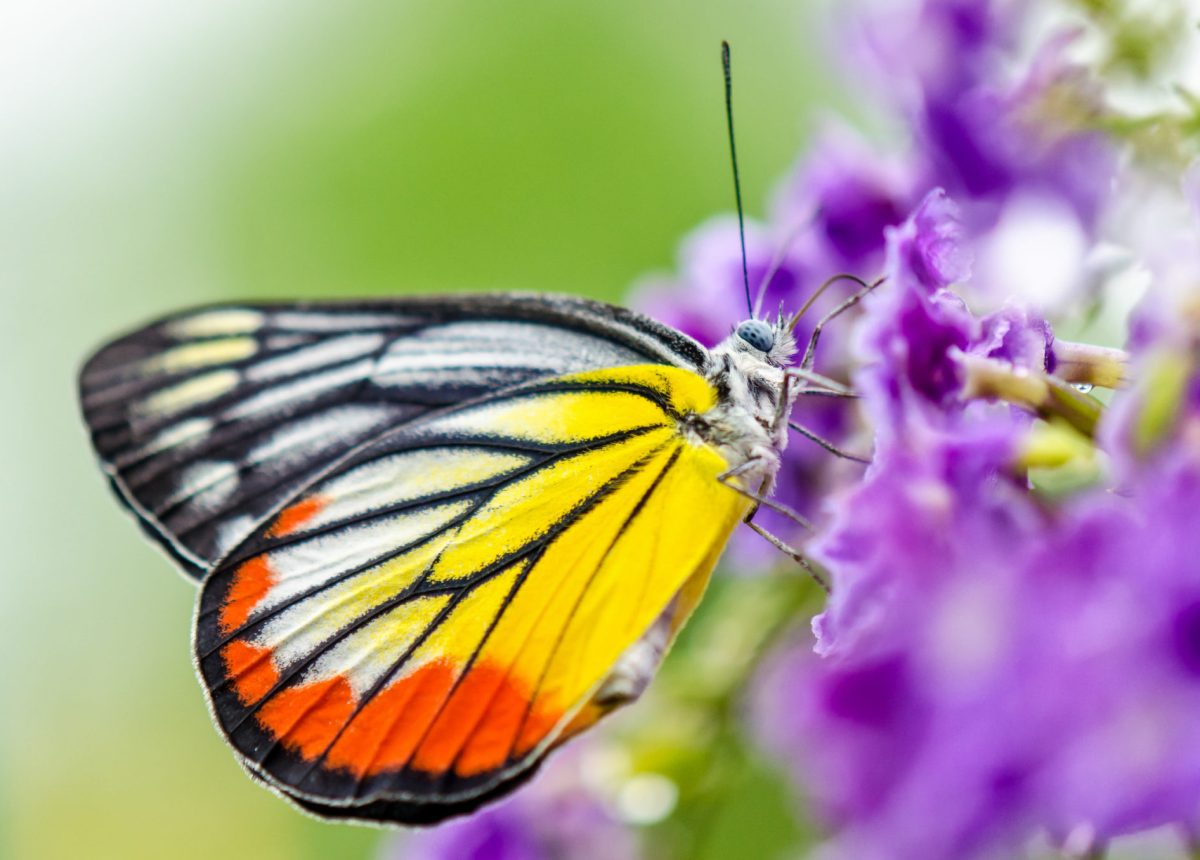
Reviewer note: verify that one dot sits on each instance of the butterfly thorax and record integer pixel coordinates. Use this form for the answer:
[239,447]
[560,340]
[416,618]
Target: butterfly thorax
[748,425]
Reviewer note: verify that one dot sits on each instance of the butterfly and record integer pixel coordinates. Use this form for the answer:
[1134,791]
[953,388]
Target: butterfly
[434,538]
[437,537]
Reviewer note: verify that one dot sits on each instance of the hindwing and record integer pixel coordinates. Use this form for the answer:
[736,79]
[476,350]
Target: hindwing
[413,632]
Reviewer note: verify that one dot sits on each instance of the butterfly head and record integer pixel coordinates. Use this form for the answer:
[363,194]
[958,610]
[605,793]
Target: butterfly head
[749,424]
[773,343]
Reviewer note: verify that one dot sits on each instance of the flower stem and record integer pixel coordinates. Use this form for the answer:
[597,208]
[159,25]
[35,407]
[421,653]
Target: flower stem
[1046,396]
[1090,365]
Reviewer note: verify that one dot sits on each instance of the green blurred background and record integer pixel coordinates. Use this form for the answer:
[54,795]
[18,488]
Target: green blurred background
[154,156]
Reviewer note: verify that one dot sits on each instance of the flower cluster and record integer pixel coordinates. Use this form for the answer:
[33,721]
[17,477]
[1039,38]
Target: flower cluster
[993,665]
[1010,655]
[557,817]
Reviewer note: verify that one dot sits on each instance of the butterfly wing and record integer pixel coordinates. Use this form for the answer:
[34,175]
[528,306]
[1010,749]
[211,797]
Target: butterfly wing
[412,633]
[209,420]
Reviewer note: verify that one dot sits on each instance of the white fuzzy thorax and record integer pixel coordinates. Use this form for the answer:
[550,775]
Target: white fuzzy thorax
[747,425]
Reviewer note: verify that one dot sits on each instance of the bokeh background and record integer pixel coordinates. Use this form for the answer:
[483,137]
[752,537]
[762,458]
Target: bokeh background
[154,156]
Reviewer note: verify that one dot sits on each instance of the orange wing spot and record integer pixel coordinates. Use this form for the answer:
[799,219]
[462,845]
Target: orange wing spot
[389,727]
[480,690]
[250,669]
[540,722]
[291,518]
[251,582]
[489,744]
[308,717]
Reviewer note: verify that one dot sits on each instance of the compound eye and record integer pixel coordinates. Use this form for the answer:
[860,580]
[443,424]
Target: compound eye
[757,334]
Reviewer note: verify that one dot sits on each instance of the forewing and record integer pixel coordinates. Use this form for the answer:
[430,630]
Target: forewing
[208,421]
[412,634]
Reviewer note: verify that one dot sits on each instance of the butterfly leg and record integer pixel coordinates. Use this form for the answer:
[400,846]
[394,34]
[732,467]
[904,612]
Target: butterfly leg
[760,500]
[820,392]
[826,444]
[824,385]
[781,418]
[810,353]
[794,554]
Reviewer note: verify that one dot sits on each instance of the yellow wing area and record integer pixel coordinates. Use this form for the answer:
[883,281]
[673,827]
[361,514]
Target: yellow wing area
[438,611]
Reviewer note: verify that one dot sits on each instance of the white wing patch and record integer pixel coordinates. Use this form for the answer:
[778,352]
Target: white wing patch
[305,388]
[300,628]
[185,433]
[206,484]
[368,654]
[411,475]
[322,354]
[324,322]
[232,531]
[302,438]
[483,344]
[300,567]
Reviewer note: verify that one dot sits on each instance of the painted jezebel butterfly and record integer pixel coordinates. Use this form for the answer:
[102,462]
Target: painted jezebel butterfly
[434,538]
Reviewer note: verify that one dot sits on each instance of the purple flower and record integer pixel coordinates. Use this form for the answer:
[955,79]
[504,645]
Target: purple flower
[990,672]
[992,666]
[1017,337]
[980,136]
[927,249]
[837,203]
[916,331]
[495,833]
[1128,758]
[904,48]
[554,818]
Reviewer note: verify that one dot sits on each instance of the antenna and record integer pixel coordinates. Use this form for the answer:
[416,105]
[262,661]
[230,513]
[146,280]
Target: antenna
[737,183]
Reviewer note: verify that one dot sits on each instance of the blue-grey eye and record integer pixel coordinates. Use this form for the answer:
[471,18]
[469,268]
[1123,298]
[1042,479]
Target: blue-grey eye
[758,334]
